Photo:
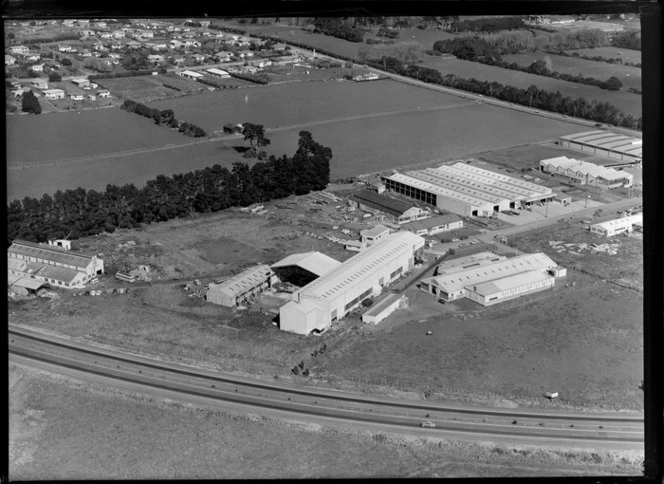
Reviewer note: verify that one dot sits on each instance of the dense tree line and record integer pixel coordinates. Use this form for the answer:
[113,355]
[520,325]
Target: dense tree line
[114,75]
[597,58]
[602,112]
[627,40]
[164,117]
[231,30]
[504,43]
[336,27]
[487,24]
[79,213]
[30,103]
[255,78]
[542,68]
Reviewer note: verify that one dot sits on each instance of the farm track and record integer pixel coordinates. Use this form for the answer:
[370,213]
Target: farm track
[81,159]
[159,378]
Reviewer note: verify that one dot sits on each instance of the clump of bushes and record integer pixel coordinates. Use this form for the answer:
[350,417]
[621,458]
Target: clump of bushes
[172,87]
[163,118]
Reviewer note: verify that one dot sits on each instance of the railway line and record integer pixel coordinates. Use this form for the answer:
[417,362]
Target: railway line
[166,380]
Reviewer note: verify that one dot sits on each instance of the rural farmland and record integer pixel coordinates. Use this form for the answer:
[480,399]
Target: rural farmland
[629,76]
[626,102]
[367,143]
[627,55]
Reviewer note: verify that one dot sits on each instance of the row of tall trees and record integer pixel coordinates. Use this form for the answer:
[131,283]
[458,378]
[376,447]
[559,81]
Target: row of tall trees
[602,112]
[81,212]
[627,40]
[336,27]
[164,117]
[489,24]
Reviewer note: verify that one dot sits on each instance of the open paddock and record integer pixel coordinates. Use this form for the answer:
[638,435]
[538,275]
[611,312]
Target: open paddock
[629,76]
[627,102]
[628,55]
[148,88]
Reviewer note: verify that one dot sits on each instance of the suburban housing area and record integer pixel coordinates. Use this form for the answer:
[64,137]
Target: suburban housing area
[425,233]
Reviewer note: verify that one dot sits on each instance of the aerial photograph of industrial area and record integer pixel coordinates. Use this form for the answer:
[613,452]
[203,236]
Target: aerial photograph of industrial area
[325,247]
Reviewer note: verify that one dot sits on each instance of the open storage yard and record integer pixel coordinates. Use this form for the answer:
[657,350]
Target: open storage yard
[626,102]
[628,75]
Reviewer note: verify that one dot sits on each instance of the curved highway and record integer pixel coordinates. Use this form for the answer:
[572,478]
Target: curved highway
[320,406]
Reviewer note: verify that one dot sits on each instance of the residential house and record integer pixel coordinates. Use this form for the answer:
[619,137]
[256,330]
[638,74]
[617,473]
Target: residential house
[114,56]
[88,33]
[68,22]
[218,73]
[19,92]
[178,61]
[19,49]
[116,46]
[64,48]
[261,63]
[155,59]
[145,34]
[37,67]
[80,82]
[94,85]
[76,97]
[160,46]
[106,94]
[198,57]
[39,84]
[117,34]
[92,97]
[106,35]
[83,22]
[190,74]
[192,43]
[9,60]
[101,25]
[31,57]
[246,53]
[86,53]
[175,44]
[132,44]
[205,23]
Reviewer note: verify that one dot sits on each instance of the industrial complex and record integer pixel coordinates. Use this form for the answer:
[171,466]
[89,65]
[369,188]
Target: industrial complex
[604,143]
[241,287]
[618,226]
[363,276]
[586,173]
[31,266]
[467,190]
[489,279]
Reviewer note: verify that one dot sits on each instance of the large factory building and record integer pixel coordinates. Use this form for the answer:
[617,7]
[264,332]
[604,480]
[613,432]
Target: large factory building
[491,280]
[467,190]
[332,296]
[605,143]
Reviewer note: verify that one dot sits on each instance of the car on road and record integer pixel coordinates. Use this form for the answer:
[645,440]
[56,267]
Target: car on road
[428,425]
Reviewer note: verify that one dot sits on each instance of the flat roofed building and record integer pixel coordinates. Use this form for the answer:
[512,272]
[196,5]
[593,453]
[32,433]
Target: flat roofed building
[50,264]
[462,263]
[239,288]
[605,143]
[374,234]
[54,93]
[586,173]
[434,225]
[301,269]
[332,296]
[460,283]
[617,226]
[499,290]
[383,308]
[190,74]
[398,210]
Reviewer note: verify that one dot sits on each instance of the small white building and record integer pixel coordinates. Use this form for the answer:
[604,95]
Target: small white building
[586,173]
[373,235]
[37,67]
[32,57]
[19,49]
[383,308]
[54,93]
[434,225]
[39,84]
[9,60]
[190,74]
[155,58]
[81,82]
[617,226]
[105,94]
[218,73]
[76,97]
[64,48]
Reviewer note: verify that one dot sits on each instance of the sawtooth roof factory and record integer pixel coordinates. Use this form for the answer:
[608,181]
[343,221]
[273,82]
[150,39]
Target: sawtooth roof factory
[605,143]
[467,190]
[332,296]
[489,279]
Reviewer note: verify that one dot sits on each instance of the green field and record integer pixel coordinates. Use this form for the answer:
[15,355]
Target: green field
[629,76]
[626,102]
[374,130]
[147,88]
[627,55]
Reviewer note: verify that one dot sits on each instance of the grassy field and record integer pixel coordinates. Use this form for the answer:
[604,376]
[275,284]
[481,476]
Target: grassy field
[627,102]
[362,139]
[628,55]
[139,438]
[629,76]
[149,88]
[301,103]
[60,136]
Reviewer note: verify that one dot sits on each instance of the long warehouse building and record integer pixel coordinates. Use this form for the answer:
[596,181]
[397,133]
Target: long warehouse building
[605,143]
[332,296]
[467,190]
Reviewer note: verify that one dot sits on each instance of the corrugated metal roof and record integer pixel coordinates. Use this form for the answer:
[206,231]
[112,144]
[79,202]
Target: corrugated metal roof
[360,266]
[475,202]
[29,283]
[510,282]
[314,262]
[494,187]
[435,179]
[50,253]
[621,222]
[375,231]
[428,223]
[608,141]
[457,281]
[244,281]
[534,187]
[58,273]
[381,202]
[583,167]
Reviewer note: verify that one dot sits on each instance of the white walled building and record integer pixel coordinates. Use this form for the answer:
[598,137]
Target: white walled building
[239,288]
[434,225]
[373,235]
[586,173]
[332,296]
[617,226]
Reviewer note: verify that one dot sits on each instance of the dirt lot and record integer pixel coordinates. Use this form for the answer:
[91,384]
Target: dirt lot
[50,438]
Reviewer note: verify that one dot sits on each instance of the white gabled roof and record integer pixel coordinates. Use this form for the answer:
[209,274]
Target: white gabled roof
[314,262]
[620,222]
[244,281]
[510,282]
[586,168]
[360,266]
[437,190]
[192,73]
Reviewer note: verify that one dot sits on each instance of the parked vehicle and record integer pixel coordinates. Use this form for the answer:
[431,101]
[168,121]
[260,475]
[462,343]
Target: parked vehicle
[428,425]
